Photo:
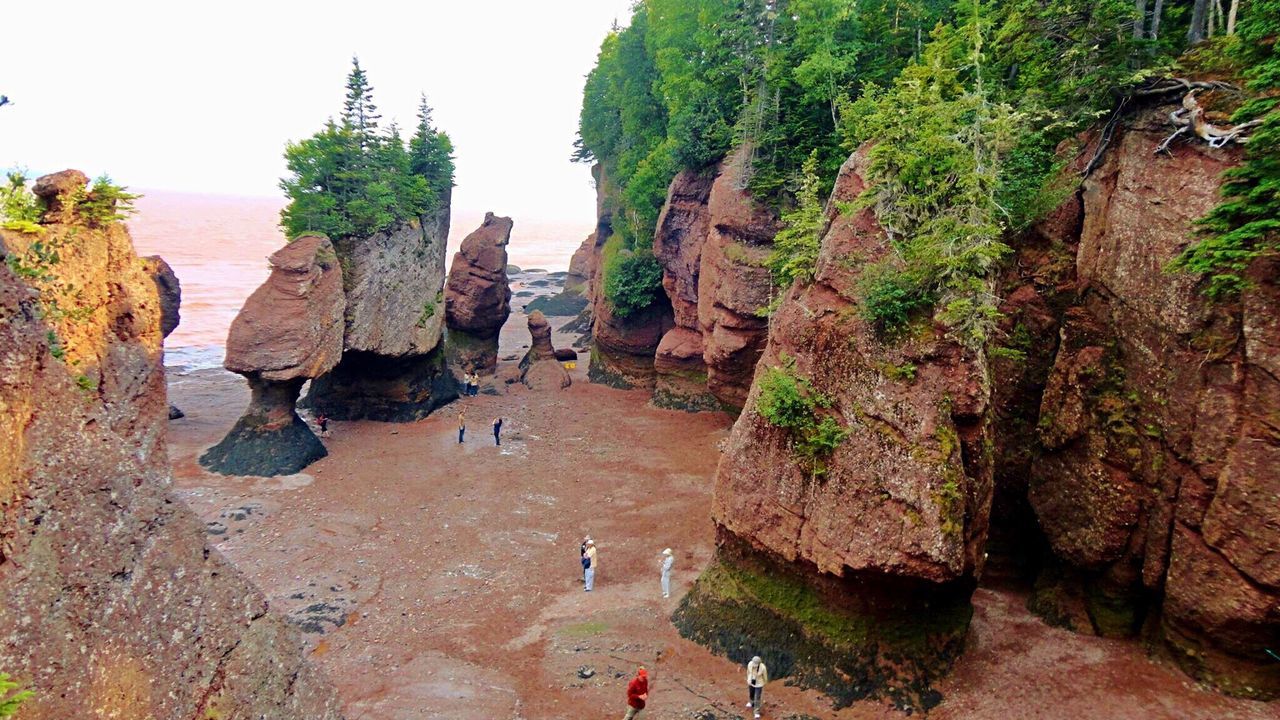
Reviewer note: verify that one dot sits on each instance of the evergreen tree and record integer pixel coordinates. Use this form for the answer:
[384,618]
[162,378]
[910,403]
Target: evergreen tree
[431,151]
[358,112]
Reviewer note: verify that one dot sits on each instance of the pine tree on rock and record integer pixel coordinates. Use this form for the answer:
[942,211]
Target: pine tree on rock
[358,112]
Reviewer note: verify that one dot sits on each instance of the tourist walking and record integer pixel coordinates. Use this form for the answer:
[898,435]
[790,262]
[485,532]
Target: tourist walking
[497,431]
[757,678]
[323,421]
[668,560]
[592,564]
[462,425]
[637,694]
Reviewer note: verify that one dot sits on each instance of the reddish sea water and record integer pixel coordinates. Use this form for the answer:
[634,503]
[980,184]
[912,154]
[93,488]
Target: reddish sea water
[218,246]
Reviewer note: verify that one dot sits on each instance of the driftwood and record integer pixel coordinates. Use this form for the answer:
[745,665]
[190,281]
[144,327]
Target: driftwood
[1190,118]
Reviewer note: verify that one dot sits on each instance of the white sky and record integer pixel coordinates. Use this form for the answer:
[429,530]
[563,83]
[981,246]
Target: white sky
[202,97]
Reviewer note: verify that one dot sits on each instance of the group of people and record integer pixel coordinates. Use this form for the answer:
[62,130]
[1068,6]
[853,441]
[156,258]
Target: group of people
[471,384]
[638,689]
[462,428]
[590,558]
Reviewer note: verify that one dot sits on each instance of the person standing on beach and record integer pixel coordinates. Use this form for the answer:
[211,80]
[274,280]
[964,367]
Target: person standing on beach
[593,562]
[637,694]
[323,421]
[462,425]
[668,560]
[757,678]
[582,556]
[497,431]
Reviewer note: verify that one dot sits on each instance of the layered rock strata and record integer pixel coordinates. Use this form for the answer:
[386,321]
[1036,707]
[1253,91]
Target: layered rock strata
[853,565]
[540,369]
[393,365]
[477,297]
[290,330]
[111,603]
[1154,456]
[683,225]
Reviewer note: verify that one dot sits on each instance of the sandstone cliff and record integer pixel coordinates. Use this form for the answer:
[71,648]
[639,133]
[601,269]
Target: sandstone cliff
[112,603]
[855,561]
[393,365]
[1154,461]
[477,297]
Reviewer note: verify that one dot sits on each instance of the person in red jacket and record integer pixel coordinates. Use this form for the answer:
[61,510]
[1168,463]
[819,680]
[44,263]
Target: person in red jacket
[637,694]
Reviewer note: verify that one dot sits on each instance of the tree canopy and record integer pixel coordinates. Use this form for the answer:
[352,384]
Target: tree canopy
[353,178]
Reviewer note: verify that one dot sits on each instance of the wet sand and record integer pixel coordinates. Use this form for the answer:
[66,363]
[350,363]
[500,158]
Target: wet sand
[438,580]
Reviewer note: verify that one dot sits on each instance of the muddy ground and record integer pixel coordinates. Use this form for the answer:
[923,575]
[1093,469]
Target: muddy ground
[438,580]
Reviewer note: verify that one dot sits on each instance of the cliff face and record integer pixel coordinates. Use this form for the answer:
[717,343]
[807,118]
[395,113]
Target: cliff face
[112,603]
[393,366]
[1156,468]
[868,554]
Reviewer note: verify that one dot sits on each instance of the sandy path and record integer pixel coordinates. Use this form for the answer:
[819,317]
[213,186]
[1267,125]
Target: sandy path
[434,580]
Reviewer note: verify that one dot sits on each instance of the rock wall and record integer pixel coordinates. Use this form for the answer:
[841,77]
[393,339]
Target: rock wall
[111,604]
[854,568]
[393,367]
[1153,463]
[477,297]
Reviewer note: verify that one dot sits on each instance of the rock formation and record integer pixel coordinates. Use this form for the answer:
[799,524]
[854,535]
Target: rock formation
[477,297]
[169,291]
[539,368]
[854,564]
[290,330]
[112,604]
[393,364]
[1149,431]
[683,227]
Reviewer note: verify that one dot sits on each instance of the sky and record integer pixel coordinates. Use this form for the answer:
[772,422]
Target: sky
[202,97]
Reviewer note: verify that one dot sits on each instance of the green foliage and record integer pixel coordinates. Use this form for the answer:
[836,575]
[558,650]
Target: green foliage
[20,209]
[1246,225]
[11,697]
[933,178]
[104,203]
[790,402]
[352,179]
[632,278]
[795,247]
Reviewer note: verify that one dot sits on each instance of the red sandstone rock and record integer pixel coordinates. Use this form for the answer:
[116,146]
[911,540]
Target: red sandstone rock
[677,243]
[539,369]
[112,603]
[477,296]
[292,325]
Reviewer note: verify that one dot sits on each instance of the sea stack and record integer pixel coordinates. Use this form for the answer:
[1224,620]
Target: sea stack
[539,369]
[392,366]
[477,297]
[289,331]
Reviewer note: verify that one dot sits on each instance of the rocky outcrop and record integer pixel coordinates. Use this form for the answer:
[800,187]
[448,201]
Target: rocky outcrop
[851,559]
[393,365]
[579,274]
[169,291]
[111,602]
[683,225]
[1153,472]
[477,297]
[290,330]
[734,284]
[539,368]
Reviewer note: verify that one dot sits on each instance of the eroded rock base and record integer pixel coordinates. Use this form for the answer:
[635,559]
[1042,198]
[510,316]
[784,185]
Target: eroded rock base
[269,439]
[852,638]
[367,386]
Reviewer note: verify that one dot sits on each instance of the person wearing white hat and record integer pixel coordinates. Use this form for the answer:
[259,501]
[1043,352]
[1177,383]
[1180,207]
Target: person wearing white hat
[667,561]
[757,678]
[592,564]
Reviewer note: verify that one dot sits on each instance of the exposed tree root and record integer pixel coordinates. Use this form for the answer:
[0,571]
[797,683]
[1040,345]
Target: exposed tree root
[1191,117]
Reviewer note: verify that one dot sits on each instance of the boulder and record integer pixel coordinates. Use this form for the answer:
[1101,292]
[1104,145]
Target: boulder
[289,331]
[681,373]
[477,297]
[566,354]
[539,369]
[112,601]
[59,191]
[392,368]
[881,531]
[169,290]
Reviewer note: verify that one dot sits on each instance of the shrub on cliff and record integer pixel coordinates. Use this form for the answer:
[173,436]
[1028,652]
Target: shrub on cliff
[790,402]
[632,279]
[353,179]
[20,209]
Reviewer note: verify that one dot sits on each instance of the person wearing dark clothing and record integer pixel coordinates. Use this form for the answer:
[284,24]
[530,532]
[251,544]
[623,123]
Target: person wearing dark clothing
[323,422]
[637,694]
[497,431]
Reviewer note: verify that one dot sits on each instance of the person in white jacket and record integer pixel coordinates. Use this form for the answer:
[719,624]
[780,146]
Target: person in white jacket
[757,678]
[667,561]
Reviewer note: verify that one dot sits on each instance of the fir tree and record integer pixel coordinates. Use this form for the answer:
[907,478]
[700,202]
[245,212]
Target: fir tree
[358,112]
[431,151]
